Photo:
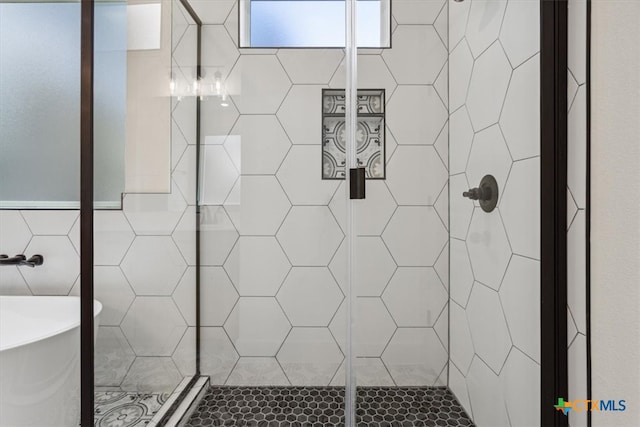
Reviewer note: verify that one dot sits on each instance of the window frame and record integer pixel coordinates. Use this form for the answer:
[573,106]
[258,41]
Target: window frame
[244,29]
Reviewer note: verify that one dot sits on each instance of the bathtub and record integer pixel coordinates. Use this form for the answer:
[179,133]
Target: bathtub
[40,361]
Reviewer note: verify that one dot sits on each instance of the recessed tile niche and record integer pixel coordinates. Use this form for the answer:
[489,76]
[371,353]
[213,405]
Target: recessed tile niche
[370,133]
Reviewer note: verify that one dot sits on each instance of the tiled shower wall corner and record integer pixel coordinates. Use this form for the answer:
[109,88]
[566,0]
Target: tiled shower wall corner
[273,240]
[144,274]
[576,205]
[494,101]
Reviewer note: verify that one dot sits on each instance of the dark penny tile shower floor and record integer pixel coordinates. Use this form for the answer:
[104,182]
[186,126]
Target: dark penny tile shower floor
[323,406]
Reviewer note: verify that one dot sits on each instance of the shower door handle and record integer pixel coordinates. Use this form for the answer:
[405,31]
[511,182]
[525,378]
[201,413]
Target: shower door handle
[357,180]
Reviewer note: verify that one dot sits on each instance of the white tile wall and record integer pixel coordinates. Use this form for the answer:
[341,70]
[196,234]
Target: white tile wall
[495,286]
[291,223]
[576,198]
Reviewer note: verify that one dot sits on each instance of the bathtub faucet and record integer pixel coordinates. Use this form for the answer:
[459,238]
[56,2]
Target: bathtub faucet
[22,260]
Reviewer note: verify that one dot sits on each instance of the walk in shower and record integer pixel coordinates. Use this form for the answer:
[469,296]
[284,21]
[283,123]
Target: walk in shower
[325,212]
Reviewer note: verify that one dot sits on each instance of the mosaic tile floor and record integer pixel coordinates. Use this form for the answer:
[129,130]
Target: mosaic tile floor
[323,406]
[122,409]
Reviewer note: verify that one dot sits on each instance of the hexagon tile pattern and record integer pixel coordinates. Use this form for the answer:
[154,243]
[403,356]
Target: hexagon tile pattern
[324,407]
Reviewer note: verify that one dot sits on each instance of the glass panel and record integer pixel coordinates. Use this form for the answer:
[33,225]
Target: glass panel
[312,23]
[145,254]
[40,102]
[39,115]
[447,288]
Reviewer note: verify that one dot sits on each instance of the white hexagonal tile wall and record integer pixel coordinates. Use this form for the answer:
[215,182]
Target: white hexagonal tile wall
[520,209]
[12,282]
[417,56]
[113,357]
[483,27]
[301,181]
[153,265]
[462,351]
[460,208]
[576,271]
[184,114]
[217,233]
[310,66]
[488,327]
[416,167]
[577,354]
[257,371]
[460,140]
[218,174]
[217,296]
[220,53]
[43,222]
[520,296]
[301,114]
[458,17]
[373,268]
[489,83]
[310,235]
[257,266]
[417,11]
[259,146]
[310,296]
[152,375]
[184,235]
[212,12]
[489,156]
[15,233]
[458,385]
[257,326]
[460,66]
[153,326]
[113,291]
[486,396]
[217,119]
[520,33]
[415,357]
[60,269]
[374,327]
[577,148]
[520,119]
[217,355]
[461,279]
[257,205]
[247,87]
[406,111]
[489,248]
[373,73]
[310,356]
[113,236]
[520,380]
[154,214]
[370,372]
[577,55]
[415,236]
[373,213]
[415,296]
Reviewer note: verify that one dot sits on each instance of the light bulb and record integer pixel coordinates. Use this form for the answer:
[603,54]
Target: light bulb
[224,102]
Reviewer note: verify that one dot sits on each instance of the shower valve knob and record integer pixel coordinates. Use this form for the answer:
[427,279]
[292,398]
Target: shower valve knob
[486,193]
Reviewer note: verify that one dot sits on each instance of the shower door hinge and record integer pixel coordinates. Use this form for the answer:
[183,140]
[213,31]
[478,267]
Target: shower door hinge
[357,180]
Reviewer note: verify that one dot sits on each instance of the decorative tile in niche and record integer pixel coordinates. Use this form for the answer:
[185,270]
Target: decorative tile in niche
[370,135]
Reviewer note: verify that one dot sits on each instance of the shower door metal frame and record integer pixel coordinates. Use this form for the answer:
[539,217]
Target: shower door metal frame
[553,209]
[87,345]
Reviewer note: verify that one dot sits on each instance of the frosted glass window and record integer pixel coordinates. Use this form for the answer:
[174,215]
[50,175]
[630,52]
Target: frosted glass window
[312,23]
[40,104]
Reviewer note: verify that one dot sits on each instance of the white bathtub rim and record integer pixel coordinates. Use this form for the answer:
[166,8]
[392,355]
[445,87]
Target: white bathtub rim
[35,337]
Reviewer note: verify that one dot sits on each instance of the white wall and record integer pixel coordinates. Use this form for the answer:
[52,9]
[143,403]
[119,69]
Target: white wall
[615,238]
